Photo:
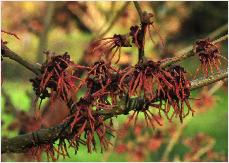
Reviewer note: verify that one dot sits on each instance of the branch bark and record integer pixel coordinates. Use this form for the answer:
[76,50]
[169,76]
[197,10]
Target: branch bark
[195,84]
[6,52]
[141,33]
[22,143]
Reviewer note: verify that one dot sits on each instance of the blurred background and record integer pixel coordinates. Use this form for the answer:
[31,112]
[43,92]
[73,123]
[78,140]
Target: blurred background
[71,27]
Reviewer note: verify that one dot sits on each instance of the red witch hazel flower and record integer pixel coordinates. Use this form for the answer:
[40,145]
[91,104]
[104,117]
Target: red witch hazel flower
[57,78]
[177,95]
[37,151]
[209,55]
[102,83]
[104,47]
[84,120]
[150,81]
[147,24]
[51,151]
[143,79]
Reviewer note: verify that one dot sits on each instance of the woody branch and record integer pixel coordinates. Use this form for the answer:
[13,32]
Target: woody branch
[141,35]
[21,143]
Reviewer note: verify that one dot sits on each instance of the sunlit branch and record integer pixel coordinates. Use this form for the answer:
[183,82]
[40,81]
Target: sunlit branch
[188,52]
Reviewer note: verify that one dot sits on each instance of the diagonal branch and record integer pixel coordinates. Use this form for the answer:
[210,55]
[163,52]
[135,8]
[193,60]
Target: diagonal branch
[209,80]
[22,143]
[218,31]
[6,52]
[188,52]
[114,20]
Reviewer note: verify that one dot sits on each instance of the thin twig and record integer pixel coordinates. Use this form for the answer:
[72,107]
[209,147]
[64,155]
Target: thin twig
[218,31]
[209,80]
[141,33]
[188,52]
[114,20]
[201,152]
[83,59]
[43,38]
[139,10]
[174,139]
[223,38]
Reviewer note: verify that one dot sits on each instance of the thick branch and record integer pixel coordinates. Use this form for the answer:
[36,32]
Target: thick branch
[24,142]
[6,52]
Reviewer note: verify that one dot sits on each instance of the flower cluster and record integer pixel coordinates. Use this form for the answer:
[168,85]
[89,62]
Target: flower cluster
[147,88]
[205,143]
[177,95]
[138,33]
[58,81]
[101,94]
[86,121]
[36,151]
[208,54]
[150,81]
[57,78]
[105,46]
[3,42]
[102,83]
[52,152]
[143,79]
